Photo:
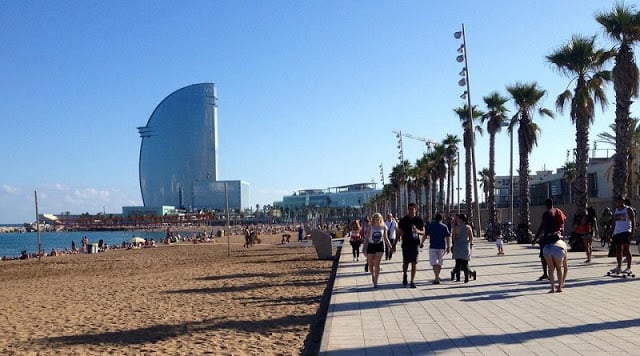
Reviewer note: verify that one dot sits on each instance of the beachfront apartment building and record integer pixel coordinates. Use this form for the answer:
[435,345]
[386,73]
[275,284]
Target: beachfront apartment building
[346,197]
[548,184]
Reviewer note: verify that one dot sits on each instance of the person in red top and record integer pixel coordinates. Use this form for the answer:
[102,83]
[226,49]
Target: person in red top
[550,230]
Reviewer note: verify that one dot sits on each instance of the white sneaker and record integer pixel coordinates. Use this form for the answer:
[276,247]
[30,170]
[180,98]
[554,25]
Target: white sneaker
[357,258]
[628,270]
[615,270]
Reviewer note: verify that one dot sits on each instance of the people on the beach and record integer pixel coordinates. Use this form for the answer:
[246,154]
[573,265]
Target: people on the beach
[439,245]
[355,239]
[392,226]
[462,240]
[550,230]
[374,244]
[410,228]
[624,222]
[84,244]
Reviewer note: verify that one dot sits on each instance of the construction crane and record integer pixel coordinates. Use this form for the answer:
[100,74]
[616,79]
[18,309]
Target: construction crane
[427,141]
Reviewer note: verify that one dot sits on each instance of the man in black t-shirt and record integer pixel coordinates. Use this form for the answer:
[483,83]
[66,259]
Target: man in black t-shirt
[410,228]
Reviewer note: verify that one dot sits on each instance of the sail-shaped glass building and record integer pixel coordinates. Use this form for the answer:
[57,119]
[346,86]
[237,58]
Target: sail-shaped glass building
[179,154]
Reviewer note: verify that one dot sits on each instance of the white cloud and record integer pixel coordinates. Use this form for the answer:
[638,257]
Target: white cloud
[11,190]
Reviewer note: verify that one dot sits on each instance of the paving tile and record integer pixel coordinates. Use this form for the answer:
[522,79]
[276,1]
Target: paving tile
[505,312]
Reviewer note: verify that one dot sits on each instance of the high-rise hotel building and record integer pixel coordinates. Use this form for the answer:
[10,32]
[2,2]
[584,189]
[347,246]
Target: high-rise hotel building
[179,154]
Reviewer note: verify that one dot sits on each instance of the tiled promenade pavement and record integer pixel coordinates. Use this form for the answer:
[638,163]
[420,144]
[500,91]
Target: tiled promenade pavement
[506,311]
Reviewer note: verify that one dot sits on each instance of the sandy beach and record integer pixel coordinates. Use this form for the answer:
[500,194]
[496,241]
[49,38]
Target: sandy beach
[178,299]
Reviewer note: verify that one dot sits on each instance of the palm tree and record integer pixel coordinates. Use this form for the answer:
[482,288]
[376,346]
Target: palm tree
[526,97]
[450,143]
[433,161]
[484,182]
[468,142]
[440,168]
[424,166]
[495,118]
[398,178]
[582,62]
[622,25]
[569,174]
[413,185]
[634,148]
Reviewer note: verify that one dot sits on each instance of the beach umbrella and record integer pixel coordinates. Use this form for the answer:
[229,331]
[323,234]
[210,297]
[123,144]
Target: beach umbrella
[137,240]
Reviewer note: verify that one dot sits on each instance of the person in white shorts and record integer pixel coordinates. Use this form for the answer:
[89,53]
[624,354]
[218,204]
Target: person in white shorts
[439,245]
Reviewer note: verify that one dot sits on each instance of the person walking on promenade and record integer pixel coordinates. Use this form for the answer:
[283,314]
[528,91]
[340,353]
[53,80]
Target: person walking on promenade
[374,244]
[582,231]
[462,238]
[410,228]
[364,232]
[439,245]
[592,222]
[355,239]
[605,220]
[392,226]
[499,242]
[549,231]
[624,222]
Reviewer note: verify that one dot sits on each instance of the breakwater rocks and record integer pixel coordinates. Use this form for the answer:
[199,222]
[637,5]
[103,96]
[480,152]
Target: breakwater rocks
[7,229]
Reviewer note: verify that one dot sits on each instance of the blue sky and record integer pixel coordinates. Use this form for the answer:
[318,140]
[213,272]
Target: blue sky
[309,91]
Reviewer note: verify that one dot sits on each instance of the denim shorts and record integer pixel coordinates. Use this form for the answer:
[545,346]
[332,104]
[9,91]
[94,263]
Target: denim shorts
[553,251]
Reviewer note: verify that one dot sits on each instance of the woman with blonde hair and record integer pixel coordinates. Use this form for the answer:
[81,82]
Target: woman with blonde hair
[374,243]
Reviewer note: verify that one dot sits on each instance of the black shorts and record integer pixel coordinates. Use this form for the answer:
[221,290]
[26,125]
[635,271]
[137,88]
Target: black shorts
[375,248]
[410,254]
[622,238]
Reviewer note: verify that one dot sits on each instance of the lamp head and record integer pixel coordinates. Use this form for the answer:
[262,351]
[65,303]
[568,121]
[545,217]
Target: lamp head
[462,82]
[460,58]
[457,34]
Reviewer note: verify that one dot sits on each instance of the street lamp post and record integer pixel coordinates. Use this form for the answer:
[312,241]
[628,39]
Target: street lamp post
[403,200]
[463,57]
[458,188]
[511,177]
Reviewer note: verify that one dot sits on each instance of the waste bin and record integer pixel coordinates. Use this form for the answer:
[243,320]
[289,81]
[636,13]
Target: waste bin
[92,248]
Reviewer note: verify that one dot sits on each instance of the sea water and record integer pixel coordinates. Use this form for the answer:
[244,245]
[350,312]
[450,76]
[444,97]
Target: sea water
[12,244]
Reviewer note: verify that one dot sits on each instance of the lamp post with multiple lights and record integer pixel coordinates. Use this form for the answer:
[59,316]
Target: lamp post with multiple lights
[400,209]
[464,82]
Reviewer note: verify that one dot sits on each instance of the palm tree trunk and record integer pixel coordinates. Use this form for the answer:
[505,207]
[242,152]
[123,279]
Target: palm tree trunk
[523,230]
[582,152]
[491,201]
[624,64]
[428,197]
[467,176]
[442,196]
[630,190]
[434,188]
